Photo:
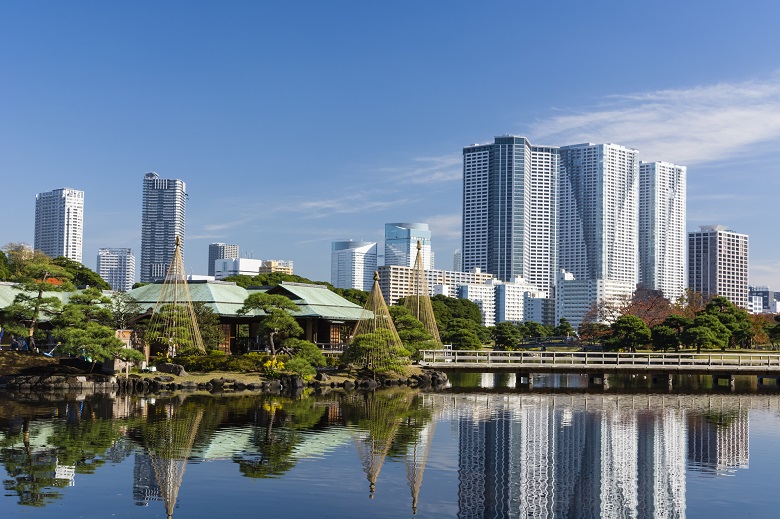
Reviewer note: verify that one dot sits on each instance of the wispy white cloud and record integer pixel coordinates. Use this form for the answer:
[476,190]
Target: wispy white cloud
[685,126]
[445,225]
[427,170]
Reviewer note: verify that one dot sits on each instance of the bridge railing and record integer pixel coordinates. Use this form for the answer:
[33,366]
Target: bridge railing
[589,358]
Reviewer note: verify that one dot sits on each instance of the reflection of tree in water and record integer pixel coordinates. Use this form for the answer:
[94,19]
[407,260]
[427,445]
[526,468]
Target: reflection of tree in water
[378,417]
[33,473]
[417,452]
[278,425]
[168,435]
[77,444]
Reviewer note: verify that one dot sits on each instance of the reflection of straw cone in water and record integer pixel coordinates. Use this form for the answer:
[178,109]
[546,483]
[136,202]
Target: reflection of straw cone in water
[381,415]
[170,446]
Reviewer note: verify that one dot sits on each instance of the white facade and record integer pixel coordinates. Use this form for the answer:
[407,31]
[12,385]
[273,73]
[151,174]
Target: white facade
[59,223]
[117,268]
[484,296]
[575,297]
[219,251]
[352,264]
[662,235]
[401,244]
[598,212]
[237,267]
[718,263]
[162,220]
[509,204]
[499,301]
[395,281]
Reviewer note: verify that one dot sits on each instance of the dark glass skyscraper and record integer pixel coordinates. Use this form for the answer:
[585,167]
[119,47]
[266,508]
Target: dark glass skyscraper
[162,220]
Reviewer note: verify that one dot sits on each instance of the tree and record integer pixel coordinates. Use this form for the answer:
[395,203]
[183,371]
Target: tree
[735,319]
[375,351]
[593,332]
[564,328]
[124,309]
[629,332]
[277,320]
[717,335]
[664,337]
[208,323]
[85,327]
[410,330]
[464,339]
[677,323]
[445,309]
[306,350]
[506,335]
[690,304]
[532,329]
[81,276]
[38,277]
[649,305]
[5,267]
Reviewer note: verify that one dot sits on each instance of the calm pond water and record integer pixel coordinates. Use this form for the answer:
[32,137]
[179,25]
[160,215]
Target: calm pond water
[481,449]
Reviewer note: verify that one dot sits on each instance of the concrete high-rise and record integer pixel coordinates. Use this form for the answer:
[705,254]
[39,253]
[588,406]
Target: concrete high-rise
[59,223]
[662,235]
[117,268]
[401,244]
[162,220]
[352,264]
[218,251]
[598,222]
[718,263]
[509,195]
[598,208]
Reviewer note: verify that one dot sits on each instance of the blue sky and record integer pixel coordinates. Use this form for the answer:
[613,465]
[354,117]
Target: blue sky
[295,124]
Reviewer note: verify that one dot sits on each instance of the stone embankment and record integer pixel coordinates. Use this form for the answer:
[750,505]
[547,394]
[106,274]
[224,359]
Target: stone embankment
[98,383]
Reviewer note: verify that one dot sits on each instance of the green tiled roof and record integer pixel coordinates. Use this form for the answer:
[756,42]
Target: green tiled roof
[318,301]
[222,297]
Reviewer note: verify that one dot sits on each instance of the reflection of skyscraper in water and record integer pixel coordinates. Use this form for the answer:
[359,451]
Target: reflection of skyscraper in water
[485,457]
[145,487]
[619,463]
[530,457]
[718,441]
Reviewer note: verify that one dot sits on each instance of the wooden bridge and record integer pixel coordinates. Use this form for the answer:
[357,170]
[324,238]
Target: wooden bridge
[599,364]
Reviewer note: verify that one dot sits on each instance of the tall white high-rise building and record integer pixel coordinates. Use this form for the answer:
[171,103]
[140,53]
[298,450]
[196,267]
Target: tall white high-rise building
[401,244]
[662,235]
[598,208]
[218,251]
[59,223]
[352,264]
[162,220]
[117,268]
[509,220]
[718,263]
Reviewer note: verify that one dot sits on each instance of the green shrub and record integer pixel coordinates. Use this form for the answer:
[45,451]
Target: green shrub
[301,367]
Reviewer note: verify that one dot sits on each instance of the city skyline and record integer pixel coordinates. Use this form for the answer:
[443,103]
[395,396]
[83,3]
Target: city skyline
[93,104]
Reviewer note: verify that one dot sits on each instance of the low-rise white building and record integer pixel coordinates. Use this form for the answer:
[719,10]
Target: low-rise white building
[574,297]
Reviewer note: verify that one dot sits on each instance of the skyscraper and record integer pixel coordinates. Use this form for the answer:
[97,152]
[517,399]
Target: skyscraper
[59,223]
[718,263]
[162,220]
[117,268]
[509,218]
[598,212]
[218,251]
[662,227]
[352,264]
[401,244]
[598,222]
